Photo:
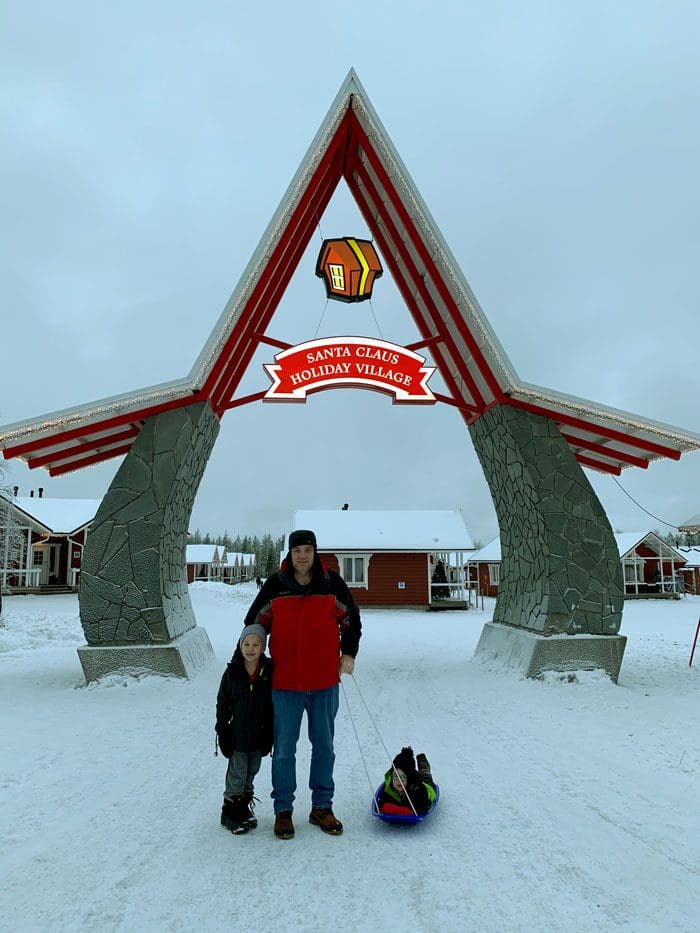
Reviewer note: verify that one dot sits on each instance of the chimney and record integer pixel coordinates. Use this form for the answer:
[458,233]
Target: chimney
[41,492]
[15,491]
[31,493]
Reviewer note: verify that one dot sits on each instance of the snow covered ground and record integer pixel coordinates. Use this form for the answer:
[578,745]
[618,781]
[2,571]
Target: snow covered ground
[565,806]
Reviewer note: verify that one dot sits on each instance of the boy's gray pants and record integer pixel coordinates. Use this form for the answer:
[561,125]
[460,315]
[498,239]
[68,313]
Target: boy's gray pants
[242,768]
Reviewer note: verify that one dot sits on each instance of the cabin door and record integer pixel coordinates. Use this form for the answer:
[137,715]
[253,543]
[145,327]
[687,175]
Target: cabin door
[54,552]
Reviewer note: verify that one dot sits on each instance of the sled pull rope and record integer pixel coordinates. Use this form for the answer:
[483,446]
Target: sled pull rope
[376,729]
[357,737]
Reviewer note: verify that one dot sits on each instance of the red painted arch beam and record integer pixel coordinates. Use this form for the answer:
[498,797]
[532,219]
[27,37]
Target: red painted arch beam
[93,444]
[273,284]
[614,454]
[276,281]
[597,465]
[306,210]
[240,346]
[423,252]
[592,428]
[417,279]
[404,287]
[55,440]
[413,272]
[69,467]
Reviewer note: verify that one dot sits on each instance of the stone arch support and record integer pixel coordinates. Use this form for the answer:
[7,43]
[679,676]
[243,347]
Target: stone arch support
[133,585]
[560,567]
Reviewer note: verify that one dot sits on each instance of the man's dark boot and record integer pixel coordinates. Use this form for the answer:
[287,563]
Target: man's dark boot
[284,827]
[324,818]
[234,814]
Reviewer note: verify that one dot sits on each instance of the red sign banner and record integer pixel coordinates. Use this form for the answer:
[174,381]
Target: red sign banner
[352,362]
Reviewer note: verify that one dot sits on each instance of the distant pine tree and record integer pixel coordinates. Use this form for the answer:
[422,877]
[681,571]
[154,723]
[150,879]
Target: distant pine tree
[269,559]
[439,576]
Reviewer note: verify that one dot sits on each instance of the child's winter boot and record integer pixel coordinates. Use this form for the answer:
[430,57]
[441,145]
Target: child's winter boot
[234,815]
[249,805]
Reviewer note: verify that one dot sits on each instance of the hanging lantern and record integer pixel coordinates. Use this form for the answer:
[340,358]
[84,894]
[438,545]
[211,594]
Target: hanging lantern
[348,268]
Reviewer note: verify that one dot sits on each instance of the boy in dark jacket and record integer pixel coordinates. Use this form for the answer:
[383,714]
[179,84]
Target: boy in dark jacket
[408,785]
[244,720]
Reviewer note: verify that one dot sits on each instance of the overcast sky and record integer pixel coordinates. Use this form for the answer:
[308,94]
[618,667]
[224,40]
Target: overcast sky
[145,148]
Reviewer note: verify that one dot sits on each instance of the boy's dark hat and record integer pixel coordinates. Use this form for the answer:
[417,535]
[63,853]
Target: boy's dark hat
[296,538]
[406,761]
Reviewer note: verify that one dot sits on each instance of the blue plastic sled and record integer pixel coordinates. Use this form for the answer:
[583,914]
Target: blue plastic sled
[401,817]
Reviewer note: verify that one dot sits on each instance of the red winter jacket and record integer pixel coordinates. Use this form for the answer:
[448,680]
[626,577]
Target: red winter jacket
[309,627]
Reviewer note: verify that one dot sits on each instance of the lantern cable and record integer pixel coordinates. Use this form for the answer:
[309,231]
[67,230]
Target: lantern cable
[675,527]
[371,308]
[321,319]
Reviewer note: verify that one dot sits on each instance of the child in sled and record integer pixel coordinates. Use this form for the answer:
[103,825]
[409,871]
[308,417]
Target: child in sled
[409,787]
[244,730]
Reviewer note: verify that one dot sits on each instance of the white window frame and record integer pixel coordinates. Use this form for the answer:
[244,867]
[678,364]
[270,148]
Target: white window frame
[494,574]
[353,555]
[637,565]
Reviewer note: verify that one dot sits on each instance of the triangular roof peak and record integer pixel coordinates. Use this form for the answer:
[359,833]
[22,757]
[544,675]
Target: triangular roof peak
[352,144]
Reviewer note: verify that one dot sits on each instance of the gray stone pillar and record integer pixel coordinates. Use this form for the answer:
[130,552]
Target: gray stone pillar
[560,599]
[134,604]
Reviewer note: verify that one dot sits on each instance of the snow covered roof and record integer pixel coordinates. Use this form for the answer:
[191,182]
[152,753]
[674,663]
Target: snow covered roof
[626,541]
[692,525]
[386,530]
[489,553]
[204,554]
[238,557]
[60,516]
[691,554]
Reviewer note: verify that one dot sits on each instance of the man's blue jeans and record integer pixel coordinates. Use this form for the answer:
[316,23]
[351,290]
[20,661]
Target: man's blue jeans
[321,707]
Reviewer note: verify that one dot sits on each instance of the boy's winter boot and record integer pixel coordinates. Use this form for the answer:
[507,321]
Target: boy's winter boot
[234,815]
[249,804]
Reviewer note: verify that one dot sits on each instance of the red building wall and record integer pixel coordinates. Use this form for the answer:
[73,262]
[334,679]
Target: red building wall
[485,588]
[651,563]
[385,573]
[691,577]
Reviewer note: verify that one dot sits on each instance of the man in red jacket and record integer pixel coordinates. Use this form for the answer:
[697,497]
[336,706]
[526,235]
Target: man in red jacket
[314,627]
